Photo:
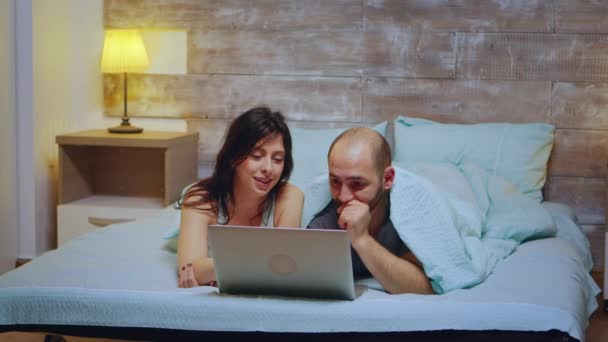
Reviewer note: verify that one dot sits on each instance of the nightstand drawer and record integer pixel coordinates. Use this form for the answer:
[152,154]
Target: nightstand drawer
[79,217]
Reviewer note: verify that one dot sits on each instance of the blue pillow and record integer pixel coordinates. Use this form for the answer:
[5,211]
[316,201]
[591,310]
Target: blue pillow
[517,152]
[310,147]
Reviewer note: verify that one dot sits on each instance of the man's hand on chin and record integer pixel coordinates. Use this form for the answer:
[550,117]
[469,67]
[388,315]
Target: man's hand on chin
[354,216]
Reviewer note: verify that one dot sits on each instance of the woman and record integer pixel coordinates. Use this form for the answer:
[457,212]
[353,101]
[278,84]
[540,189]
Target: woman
[248,188]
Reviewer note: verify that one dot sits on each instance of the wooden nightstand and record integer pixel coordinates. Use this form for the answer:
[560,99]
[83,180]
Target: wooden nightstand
[107,178]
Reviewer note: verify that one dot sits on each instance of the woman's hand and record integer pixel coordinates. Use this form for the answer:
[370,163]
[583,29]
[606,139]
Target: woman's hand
[186,276]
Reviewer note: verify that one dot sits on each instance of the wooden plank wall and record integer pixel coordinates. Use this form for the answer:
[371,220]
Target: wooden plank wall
[336,62]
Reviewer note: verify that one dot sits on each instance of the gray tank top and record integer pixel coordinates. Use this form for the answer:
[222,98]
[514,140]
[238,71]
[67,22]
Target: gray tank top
[267,215]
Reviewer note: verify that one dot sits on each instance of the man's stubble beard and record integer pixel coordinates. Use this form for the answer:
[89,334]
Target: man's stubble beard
[373,203]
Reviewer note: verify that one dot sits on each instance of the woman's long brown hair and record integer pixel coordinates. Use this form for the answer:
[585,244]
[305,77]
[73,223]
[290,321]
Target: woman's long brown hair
[245,132]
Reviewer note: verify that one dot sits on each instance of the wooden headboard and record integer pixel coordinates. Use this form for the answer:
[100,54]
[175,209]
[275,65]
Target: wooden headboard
[339,63]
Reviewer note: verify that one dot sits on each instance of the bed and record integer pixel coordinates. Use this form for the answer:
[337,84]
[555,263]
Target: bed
[120,282]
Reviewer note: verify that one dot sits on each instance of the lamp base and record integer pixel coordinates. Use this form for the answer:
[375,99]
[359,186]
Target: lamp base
[125,129]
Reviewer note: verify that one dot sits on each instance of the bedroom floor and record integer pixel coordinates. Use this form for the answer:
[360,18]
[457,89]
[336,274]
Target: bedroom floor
[40,337]
[596,332]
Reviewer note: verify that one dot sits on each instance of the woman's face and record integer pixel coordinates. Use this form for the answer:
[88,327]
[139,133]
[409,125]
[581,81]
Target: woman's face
[262,169]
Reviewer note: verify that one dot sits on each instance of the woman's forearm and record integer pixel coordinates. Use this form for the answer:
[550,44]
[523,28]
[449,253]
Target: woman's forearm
[204,271]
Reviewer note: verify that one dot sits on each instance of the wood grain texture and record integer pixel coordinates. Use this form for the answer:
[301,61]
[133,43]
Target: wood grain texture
[226,96]
[581,16]
[402,53]
[456,101]
[234,14]
[147,139]
[587,196]
[461,16]
[211,136]
[581,153]
[117,173]
[21,261]
[75,176]
[181,166]
[113,94]
[331,53]
[337,53]
[580,105]
[18,336]
[212,131]
[338,63]
[531,56]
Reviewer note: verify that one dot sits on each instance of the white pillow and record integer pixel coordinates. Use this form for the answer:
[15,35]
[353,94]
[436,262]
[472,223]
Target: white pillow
[309,149]
[517,152]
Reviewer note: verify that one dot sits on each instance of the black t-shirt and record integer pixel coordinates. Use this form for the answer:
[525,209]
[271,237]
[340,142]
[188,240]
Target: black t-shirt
[387,236]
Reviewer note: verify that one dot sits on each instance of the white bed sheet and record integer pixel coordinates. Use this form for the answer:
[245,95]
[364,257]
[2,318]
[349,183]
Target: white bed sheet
[121,276]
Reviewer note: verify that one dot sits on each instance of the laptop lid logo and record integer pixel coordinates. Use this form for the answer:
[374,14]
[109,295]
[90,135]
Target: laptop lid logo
[282,264]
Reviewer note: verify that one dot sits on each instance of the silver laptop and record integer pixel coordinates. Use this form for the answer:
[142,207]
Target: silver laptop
[282,261]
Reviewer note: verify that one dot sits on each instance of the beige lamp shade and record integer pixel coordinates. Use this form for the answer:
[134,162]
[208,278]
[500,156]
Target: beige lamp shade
[123,51]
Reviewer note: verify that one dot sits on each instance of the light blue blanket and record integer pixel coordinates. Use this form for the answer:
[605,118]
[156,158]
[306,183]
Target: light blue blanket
[103,278]
[458,221]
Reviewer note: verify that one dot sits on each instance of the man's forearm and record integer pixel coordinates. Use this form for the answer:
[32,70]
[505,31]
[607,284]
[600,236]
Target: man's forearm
[396,275]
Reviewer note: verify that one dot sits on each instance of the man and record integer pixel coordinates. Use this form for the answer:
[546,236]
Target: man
[360,179]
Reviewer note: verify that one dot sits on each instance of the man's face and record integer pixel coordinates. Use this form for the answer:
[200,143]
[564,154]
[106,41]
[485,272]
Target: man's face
[352,174]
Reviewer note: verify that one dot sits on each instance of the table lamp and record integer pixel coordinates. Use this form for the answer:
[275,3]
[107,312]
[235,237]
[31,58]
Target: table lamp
[124,52]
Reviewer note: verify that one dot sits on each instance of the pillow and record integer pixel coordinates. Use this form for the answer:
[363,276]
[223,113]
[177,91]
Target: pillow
[467,213]
[517,152]
[310,147]
[569,230]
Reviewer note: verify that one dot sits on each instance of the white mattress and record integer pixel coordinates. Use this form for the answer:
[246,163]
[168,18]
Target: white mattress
[121,276]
